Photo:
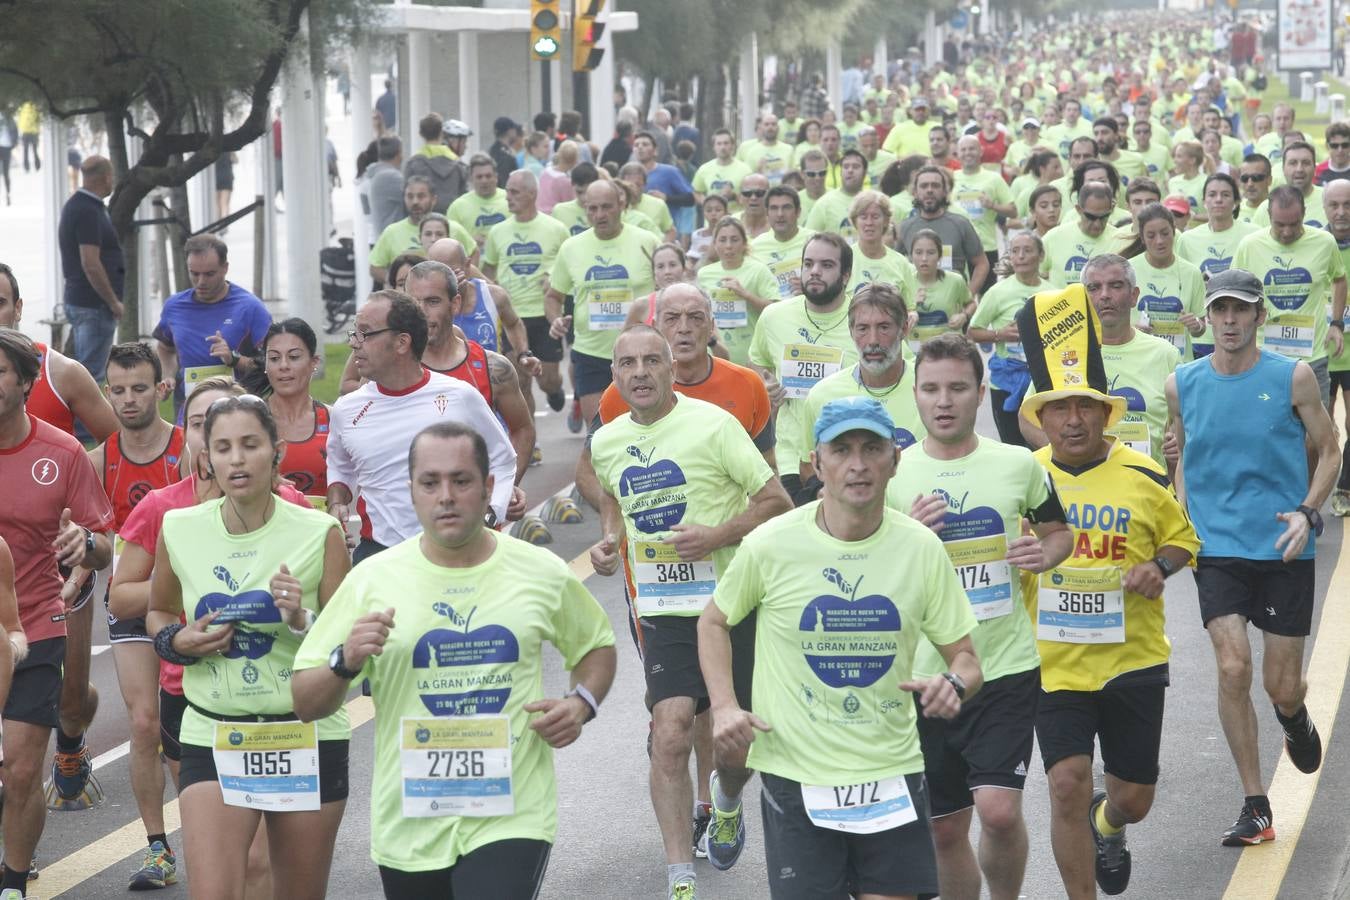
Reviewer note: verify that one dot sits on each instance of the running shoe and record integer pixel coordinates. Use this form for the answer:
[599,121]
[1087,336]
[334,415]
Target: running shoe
[574,423]
[1252,827]
[556,400]
[726,833]
[1340,504]
[158,869]
[1303,744]
[1113,860]
[536,457]
[701,821]
[684,889]
[72,786]
[11,894]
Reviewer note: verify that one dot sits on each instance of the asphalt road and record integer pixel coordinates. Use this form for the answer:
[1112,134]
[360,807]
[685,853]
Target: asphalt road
[608,845]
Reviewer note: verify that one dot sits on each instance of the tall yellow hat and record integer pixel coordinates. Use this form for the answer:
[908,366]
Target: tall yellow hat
[1060,334]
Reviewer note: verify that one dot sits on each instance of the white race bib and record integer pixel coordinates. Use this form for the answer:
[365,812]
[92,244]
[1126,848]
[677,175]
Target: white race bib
[1081,606]
[805,365]
[607,308]
[981,564]
[1015,351]
[1170,330]
[195,375]
[1135,435]
[1291,335]
[271,766]
[860,808]
[730,313]
[666,584]
[456,766]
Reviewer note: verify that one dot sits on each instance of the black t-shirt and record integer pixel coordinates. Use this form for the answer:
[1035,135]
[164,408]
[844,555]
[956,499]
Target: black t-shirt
[85,220]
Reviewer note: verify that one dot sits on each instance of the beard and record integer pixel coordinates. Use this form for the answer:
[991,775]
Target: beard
[877,367]
[825,296]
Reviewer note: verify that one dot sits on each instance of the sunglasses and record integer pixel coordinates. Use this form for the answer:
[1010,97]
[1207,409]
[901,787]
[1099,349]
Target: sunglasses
[1091,217]
[1248,179]
[817,174]
[1339,145]
[753,193]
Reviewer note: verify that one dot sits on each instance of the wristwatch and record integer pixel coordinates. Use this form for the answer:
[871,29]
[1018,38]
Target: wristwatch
[523,355]
[89,543]
[338,665]
[1314,519]
[587,697]
[957,682]
[1165,564]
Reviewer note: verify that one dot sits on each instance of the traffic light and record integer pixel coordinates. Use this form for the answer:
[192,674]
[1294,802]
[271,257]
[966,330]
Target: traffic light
[545,29]
[586,33]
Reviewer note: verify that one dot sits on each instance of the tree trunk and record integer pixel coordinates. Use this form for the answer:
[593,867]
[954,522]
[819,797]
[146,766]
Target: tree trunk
[178,232]
[122,215]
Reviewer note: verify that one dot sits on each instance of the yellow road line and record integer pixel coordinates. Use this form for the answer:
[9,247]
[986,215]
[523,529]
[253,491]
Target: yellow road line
[91,859]
[581,566]
[1261,869]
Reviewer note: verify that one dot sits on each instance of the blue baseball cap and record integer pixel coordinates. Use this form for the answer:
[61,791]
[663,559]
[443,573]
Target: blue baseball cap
[852,413]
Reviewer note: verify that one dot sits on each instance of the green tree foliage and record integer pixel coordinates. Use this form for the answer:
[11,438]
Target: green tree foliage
[173,74]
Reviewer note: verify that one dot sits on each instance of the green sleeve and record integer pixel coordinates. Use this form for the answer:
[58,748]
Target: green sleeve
[560,277]
[740,589]
[333,625]
[579,623]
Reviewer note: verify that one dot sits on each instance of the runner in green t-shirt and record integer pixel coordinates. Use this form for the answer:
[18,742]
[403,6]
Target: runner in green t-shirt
[1336,198]
[842,591]
[974,493]
[831,211]
[980,195]
[250,572]
[741,288]
[723,173]
[683,483]
[402,236]
[1171,291]
[449,628]
[484,206]
[1069,246]
[1210,247]
[800,342]
[941,299]
[873,261]
[993,323]
[1189,179]
[604,269]
[780,248]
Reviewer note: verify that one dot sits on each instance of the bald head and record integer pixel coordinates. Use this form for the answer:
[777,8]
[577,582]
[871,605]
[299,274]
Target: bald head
[1336,202]
[96,175]
[450,252]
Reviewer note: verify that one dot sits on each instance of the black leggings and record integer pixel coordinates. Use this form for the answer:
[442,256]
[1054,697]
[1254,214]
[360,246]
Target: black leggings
[1009,431]
[512,869]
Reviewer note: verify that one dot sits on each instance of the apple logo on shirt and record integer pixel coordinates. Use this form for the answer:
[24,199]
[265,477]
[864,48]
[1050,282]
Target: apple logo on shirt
[1157,300]
[455,645]
[606,271]
[1134,401]
[486,220]
[849,640]
[1215,262]
[242,609]
[524,247]
[648,476]
[1287,285]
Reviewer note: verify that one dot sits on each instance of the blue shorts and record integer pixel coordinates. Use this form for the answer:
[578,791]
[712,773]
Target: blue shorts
[591,373]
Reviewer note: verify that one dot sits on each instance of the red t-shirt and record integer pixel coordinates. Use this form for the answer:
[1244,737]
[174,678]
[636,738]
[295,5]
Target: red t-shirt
[305,463]
[993,151]
[142,529]
[43,400]
[47,473]
[126,482]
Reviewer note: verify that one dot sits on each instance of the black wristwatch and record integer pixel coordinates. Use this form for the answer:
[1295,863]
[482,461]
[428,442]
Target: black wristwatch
[1314,519]
[523,355]
[1165,565]
[338,665]
[958,684]
[89,543]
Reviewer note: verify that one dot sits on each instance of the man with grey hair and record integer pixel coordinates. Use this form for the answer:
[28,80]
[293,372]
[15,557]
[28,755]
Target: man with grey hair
[382,186]
[518,255]
[403,235]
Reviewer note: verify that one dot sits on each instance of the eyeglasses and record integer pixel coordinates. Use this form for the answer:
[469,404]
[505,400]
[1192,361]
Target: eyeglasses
[359,337]
[1248,179]
[1339,145]
[751,194]
[820,173]
[1093,217]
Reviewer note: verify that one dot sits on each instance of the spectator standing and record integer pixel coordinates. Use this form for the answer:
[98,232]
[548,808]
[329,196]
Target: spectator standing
[505,129]
[387,105]
[93,266]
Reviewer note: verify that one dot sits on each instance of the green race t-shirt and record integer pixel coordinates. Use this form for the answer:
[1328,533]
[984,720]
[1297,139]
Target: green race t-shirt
[898,400]
[967,190]
[655,209]
[1340,362]
[523,253]
[1137,370]
[830,213]
[401,237]
[787,332]
[837,630]
[987,493]
[735,316]
[571,214]
[894,269]
[694,466]
[465,642]
[936,303]
[998,307]
[1067,250]
[715,178]
[1314,213]
[232,573]
[770,160]
[478,214]
[604,277]
[784,258]
[1167,293]
[1298,279]
[1193,189]
[1212,251]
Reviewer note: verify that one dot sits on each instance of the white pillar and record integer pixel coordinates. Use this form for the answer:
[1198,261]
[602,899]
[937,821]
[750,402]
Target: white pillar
[201,190]
[932,39]
[1305,86]
[1336,105]
[1320,97]
[418,81]
[468,79]
[602,88]
[57,188]
[881,55]
[306,185]
[265,178]
[834,76]
[362,134]
[749,86]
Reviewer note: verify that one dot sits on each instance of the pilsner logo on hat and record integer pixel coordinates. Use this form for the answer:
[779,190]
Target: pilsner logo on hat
[1060,334]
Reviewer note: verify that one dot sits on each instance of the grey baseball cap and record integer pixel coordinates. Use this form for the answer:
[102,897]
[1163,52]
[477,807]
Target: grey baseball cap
[1236,283]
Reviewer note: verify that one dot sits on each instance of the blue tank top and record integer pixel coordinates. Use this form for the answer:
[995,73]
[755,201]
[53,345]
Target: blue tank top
[1244,458]
[480,323]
